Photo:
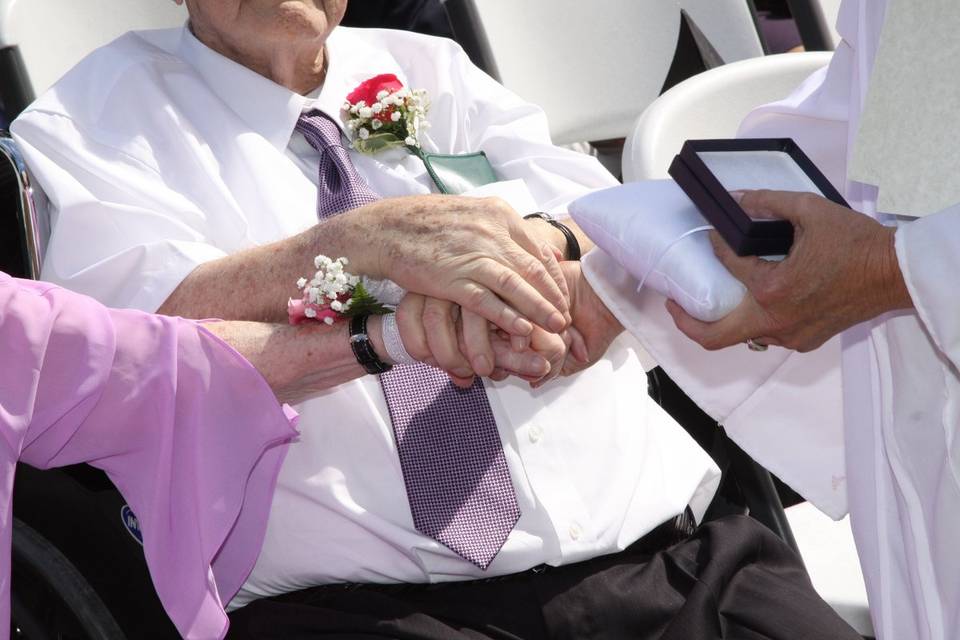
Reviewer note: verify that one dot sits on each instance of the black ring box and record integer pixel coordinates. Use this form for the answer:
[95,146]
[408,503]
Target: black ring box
[745,235]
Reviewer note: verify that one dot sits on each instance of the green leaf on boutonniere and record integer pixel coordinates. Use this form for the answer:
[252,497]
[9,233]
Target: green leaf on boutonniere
[377,142]
[362,303]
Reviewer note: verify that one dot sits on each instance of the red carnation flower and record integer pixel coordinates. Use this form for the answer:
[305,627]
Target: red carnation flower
[368,89]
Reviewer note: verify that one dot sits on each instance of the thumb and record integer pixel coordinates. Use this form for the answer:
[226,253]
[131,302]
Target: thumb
[747,269]
[765,204]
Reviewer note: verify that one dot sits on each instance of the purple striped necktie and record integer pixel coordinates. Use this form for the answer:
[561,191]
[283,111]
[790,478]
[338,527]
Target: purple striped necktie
[451,456]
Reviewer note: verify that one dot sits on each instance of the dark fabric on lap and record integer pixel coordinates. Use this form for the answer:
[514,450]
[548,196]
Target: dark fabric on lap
[732,579]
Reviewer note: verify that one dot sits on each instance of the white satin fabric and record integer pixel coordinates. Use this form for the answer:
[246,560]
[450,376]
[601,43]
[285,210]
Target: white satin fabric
[889,449]
[655,231]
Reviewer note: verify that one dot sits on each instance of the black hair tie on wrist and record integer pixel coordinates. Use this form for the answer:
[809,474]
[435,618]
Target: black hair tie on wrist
[573,245]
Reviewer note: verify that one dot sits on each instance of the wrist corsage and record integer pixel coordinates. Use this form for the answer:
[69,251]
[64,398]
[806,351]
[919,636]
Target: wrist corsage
[332,294]
[382,114]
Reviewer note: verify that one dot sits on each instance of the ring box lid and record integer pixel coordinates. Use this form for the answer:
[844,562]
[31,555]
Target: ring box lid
[708,170]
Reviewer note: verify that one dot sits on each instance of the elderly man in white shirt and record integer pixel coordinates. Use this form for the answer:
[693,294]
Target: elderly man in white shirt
[179,183]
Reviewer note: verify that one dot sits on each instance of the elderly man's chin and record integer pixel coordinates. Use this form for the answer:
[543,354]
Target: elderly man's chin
[231,19]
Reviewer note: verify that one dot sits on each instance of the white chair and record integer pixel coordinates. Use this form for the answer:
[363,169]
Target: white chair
[593,67]
[831,9]
[712,105]
[53,35]
[728,25]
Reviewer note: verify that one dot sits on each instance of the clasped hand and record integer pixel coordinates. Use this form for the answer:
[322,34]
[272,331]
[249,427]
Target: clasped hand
[475,252]
[464,344]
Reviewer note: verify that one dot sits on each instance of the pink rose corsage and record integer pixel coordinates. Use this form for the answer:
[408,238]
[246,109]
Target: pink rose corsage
[331,295]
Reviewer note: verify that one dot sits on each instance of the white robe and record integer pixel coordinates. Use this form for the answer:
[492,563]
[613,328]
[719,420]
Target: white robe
[886,450]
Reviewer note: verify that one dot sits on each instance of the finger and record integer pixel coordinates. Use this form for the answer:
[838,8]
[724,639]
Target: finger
[519,343]
[535,248]
[735,328]
[475,342]
[529,286]
[410,323]
[439,324]
[463,383]
[528,364]
[793,206]
[747,269]
[578,346]
[482,301]
[553,347]
[499,375]
[552,263]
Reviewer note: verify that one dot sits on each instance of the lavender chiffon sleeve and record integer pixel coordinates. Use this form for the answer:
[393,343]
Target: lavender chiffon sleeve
[186,429]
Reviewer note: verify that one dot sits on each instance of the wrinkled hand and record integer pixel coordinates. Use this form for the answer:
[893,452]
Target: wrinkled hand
[842,270]
[464,344]
[475,252]
[593,327]
[441,334]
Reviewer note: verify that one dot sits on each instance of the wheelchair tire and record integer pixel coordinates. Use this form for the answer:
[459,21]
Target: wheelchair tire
[49,597]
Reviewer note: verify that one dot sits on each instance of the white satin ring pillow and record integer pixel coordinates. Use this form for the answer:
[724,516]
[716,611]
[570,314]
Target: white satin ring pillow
[642,226]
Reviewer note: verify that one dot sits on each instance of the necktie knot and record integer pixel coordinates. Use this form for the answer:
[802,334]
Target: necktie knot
[319,129]
[339,186]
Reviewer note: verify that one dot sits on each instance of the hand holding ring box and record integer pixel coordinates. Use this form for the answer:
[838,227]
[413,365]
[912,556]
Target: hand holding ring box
[708,170]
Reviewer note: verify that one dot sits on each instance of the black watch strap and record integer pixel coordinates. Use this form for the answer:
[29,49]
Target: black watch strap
[573,245]
[363,350]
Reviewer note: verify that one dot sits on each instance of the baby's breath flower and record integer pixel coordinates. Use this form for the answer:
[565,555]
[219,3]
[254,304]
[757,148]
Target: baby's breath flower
[366,112]
[411,141]
[376,124]
[395,116]
[301,283]
[363,133]
[310,312]
[377,107]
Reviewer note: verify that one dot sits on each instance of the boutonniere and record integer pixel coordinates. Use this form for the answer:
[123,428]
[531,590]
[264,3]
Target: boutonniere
[331,295]
[383,114]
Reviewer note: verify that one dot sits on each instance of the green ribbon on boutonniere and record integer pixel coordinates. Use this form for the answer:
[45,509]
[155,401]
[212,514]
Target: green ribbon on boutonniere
[382,114]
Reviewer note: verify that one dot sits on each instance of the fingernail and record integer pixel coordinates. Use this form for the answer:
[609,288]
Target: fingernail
[481,364]
[462,372]
[737,196]
[540,365]
[522,326]
[580,353]
[557,322]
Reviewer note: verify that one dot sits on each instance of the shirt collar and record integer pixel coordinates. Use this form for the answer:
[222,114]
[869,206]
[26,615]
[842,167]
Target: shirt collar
[266,107]
[272,110]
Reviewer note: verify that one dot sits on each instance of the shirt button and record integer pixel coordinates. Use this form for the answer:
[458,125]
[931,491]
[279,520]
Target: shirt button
[535,433]
[575,531]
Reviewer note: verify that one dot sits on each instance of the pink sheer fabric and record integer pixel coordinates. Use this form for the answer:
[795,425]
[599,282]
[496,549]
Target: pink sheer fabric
[186,429]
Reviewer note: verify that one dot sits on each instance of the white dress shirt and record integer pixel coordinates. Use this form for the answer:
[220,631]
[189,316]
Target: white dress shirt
[158,154]
[881,438]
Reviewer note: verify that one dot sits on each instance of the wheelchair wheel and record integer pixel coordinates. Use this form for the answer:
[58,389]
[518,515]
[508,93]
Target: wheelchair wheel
[50,600]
